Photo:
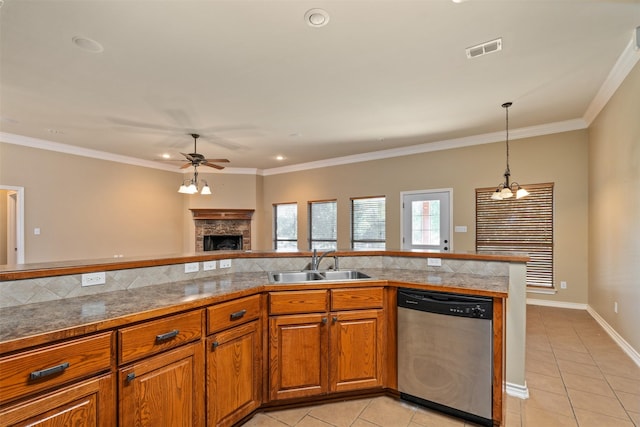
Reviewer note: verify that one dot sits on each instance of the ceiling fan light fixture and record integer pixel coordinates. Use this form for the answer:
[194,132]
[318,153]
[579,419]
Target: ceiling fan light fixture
[205,190]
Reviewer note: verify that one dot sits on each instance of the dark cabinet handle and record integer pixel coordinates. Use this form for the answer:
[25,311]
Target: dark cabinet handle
[131,377]
[238,314]
[49,371]
[335,319]
[168,335]
[215,345]
[324,320]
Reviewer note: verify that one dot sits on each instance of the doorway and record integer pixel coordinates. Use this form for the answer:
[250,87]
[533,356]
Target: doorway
[14,224]
[426,219]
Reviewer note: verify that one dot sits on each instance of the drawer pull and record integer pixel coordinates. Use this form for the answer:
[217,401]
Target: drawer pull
[215,345]
[49,371]
[168,335]
[238,314]
[131,377]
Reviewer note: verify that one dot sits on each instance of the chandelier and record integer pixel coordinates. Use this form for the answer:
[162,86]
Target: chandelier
[191,186]
[506,189]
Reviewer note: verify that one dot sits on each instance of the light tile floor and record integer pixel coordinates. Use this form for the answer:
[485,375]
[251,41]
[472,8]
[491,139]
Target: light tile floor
[576,374]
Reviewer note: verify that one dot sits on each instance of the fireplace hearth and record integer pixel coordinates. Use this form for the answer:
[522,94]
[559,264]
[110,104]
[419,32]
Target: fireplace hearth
[222,229]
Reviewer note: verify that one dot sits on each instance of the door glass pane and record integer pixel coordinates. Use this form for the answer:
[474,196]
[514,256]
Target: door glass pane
[425,221]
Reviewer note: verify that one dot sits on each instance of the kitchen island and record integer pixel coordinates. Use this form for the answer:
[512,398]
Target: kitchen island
[29,328]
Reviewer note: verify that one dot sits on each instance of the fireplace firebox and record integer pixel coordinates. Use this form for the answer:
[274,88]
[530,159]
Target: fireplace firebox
[222,243]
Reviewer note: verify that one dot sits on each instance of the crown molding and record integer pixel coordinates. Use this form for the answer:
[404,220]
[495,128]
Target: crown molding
[487,138]
[43,144]
[623,66]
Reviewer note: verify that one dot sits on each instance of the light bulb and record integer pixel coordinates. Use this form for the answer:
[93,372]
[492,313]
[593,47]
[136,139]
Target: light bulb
[521,193]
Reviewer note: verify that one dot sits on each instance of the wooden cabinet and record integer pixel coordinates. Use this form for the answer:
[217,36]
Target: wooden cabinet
[162,380]
[357,350]
[339,348]
[164,390]
[58,385]
[88,403]
[234,360]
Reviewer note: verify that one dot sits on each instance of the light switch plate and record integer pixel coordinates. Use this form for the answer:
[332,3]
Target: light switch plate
[460,229]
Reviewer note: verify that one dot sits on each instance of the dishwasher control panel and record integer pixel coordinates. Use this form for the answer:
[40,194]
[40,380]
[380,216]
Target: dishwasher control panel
[446,303]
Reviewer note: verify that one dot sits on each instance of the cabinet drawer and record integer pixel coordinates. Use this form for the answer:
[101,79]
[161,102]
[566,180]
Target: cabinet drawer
[51,366]
[355,298]
[155,336]
[236,312]
[292,302]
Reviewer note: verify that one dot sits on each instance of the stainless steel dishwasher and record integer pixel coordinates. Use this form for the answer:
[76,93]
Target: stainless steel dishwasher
[445,356]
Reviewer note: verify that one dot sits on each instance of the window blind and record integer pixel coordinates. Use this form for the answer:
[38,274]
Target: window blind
[323,224]
[519,225]
[285,226]
[368,223]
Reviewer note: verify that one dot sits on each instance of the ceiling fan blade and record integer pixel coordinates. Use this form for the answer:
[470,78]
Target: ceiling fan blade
[211,165]
[217,160]
[186,165]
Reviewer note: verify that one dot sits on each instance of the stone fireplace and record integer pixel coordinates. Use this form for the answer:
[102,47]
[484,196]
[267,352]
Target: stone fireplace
[222,229]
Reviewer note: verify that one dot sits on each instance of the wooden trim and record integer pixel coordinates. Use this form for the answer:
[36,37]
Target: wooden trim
[222,214]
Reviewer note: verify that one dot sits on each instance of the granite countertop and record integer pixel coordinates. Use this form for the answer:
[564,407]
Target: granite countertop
[41,323]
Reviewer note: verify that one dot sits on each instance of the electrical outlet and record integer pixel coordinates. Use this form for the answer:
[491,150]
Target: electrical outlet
[191,267]
[225,263]
[434,262]
[615,307]
[563,285]
[92,279]
[209,265]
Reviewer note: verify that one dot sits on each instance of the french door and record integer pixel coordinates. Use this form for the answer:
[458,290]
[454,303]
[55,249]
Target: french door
[426,220]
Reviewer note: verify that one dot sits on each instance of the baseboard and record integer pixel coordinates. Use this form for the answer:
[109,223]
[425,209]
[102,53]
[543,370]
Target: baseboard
[558,304]
[624,345]
[517,390]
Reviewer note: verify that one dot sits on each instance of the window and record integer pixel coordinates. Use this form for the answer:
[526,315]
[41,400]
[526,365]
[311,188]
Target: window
[323,225]
[519,225]
[285,226]
[368,223]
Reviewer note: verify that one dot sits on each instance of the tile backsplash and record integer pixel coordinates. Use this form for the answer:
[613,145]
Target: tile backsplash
[18,292]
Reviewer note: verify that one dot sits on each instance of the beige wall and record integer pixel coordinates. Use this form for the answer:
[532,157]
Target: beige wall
[614,210]
[3,226]
[560,158]
[88,208]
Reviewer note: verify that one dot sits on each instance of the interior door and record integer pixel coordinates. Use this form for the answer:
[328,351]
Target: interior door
[426,220]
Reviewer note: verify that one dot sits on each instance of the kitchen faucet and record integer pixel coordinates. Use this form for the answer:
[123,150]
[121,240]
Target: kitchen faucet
[315,260]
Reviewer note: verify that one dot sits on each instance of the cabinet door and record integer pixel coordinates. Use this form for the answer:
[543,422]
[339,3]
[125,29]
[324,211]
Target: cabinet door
[164,390]
[90,403]
[234,374]
[298,361]
[357,350]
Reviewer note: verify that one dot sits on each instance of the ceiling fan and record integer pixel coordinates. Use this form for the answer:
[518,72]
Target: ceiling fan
[196,159]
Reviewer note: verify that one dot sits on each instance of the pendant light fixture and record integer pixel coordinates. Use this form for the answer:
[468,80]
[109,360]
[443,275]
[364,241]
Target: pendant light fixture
[506,189]
[190,186]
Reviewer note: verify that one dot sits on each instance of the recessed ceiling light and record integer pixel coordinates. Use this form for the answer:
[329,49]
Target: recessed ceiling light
[279,158]
[316,17]
[87,44]
[166,156]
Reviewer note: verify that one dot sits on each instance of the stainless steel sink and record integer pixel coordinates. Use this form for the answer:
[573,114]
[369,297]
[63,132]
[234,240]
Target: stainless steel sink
[294,276]
[315,276]
[344,275]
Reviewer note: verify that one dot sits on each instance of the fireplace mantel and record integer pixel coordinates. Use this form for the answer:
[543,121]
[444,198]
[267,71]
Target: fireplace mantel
[222,214]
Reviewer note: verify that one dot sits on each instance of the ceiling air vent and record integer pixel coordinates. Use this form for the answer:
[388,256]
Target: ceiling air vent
[484,48]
